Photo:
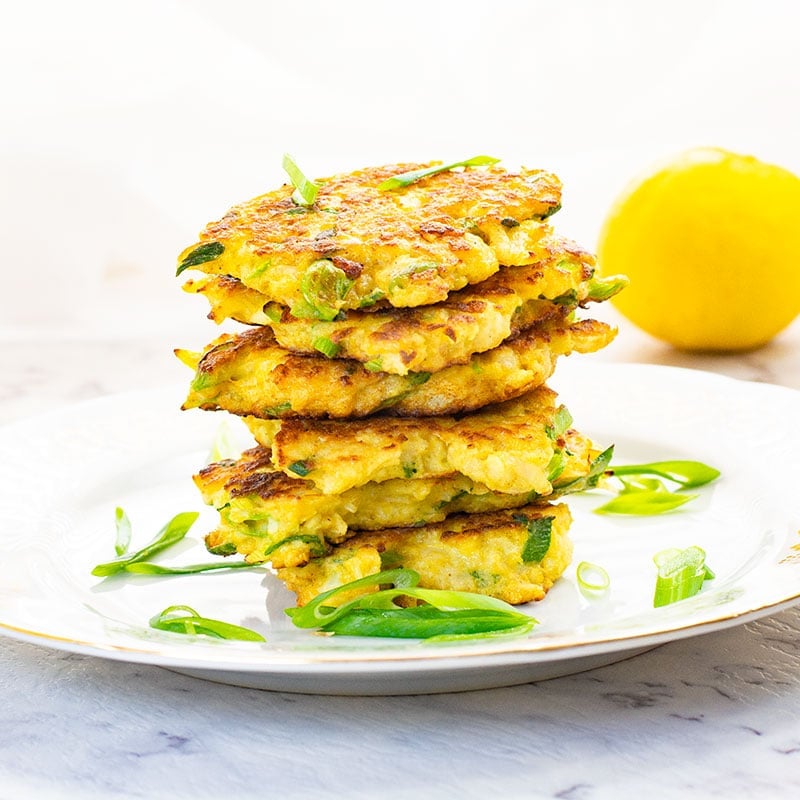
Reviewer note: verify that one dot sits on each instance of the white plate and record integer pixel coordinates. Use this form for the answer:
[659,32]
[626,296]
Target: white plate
[63,475]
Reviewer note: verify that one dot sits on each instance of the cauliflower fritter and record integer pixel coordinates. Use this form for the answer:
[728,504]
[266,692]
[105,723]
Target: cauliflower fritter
[357,245]
[509,447]
[515,556]
[427,339]
[251,375]
[269,517]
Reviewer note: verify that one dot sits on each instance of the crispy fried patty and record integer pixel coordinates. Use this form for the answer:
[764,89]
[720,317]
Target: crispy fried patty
[426,339]
[357,245]
[250,374]
[515,556]
[268,516]
[510,447]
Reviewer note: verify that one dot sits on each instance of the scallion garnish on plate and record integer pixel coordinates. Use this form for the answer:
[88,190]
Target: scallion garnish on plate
[642,492]
[184,619]
[440,615]
[681,574]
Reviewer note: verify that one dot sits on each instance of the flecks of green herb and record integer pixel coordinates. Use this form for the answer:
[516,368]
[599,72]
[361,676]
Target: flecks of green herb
[301,468]
[175,530]
[407,178]
[123,526]
[540,532]
[305,190]
[409,470]
[184,619]
[444,614]
[418,378]
[374,364]
[681,574]
[208,251]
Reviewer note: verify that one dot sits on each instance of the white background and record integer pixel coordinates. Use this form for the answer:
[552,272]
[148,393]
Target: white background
[126,126]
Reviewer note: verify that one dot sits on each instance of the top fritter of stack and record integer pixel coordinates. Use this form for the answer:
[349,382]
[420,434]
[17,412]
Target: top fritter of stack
[452,293]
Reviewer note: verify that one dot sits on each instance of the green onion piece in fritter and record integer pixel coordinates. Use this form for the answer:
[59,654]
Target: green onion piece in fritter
[407,178]
[539,534]
[305,190]
[374,364]
[561,424]
[324,287]
[592,577]
[327,346]
[175,530]
[301,468]
[183,619]
[209,251]
[601,289]
[681,574]
[442,615]
[123,525]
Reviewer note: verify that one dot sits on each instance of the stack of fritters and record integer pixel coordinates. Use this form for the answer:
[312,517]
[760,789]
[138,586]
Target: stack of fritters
[392,371]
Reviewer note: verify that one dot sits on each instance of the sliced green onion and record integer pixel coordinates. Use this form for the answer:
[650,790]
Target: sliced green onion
[681,574]
[327,346]
[540,531]
[223,447]
[601,289]
[324,287]
[376,613]
[301,468]
[592,577]
[561,424]
[148,568]
[175,530]
[407,178]
[688,474]
[644,503]
[184,619]
[374,364]
[305,190]
[208,251]
[123,538]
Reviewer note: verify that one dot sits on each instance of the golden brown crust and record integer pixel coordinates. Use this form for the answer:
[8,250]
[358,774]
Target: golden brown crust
[483,553]
[426,339]
[249,374]
[409,246]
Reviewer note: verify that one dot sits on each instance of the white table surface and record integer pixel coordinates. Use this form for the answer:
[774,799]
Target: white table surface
[126,126]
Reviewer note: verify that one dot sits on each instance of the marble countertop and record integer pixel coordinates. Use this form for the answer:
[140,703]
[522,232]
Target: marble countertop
[716,715]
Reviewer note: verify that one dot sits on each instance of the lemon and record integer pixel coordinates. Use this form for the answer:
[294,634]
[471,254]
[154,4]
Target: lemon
[711,244]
